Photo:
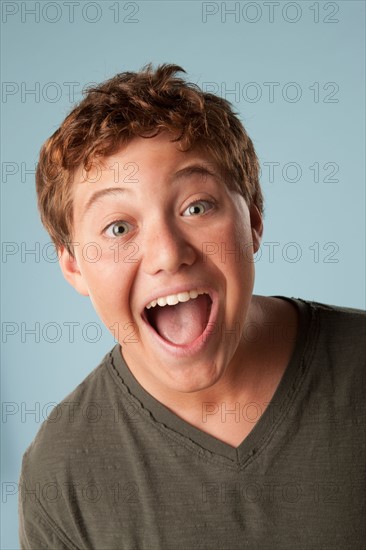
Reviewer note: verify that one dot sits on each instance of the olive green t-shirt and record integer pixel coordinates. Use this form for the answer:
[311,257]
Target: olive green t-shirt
[112,468]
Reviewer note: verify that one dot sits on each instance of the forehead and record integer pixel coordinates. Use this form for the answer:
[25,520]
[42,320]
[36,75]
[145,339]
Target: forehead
[143,159]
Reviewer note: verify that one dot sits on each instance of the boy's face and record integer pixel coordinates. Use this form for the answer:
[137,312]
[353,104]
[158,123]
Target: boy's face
[167,226]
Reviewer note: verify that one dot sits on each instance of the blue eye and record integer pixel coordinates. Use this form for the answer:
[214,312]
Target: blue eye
[198,208]
[117,229]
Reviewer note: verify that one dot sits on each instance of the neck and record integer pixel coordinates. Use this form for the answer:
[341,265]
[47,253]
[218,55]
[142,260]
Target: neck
[253,372]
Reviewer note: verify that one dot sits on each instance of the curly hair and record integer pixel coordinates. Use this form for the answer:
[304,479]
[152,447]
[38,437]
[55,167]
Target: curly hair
[141,104]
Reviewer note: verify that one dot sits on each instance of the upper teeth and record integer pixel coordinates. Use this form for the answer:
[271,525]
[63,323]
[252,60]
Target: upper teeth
[173,299]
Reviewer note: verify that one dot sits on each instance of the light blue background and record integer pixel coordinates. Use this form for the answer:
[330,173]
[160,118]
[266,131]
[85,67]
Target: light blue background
[225,53]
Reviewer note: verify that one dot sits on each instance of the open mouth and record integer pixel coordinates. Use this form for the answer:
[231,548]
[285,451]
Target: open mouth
[183,322]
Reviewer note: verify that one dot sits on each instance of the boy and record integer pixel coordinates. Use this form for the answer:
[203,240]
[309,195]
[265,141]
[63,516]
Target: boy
[220,419]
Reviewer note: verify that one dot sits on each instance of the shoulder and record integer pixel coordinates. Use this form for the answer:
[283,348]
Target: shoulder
[336,353]
[344,327]
[333,321]
[82,420]
[84,439]
[332,339]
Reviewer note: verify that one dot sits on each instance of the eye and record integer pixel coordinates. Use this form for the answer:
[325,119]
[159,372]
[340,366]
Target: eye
[117,229]
[198,208]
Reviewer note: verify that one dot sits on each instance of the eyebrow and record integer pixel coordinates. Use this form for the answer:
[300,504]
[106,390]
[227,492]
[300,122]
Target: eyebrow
[179,175]
[200,169]
[102,193]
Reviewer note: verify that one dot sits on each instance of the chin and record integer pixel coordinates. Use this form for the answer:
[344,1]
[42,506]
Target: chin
[193,379]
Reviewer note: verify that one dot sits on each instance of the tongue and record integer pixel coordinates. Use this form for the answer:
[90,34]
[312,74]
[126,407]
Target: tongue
[184,322]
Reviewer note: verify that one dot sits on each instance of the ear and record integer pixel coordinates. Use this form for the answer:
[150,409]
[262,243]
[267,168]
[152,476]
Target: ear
[70,269]
[256,222]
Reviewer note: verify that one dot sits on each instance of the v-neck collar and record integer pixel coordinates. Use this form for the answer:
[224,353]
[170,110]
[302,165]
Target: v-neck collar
[273,415]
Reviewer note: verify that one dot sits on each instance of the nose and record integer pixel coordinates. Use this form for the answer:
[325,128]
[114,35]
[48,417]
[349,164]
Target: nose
[167,248]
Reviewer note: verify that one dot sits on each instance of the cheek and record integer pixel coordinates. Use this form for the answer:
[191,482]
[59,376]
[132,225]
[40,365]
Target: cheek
[108,261]
[109,278]
[234,240]
[111,286]
[237,264]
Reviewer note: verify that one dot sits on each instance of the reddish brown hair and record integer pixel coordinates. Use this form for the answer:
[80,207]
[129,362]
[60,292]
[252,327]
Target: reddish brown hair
[141,104]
